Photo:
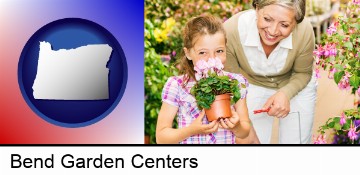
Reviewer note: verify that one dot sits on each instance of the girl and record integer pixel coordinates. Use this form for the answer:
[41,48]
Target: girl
[204,38]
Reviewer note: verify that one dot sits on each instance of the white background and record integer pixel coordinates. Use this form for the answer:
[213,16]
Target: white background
[211,160]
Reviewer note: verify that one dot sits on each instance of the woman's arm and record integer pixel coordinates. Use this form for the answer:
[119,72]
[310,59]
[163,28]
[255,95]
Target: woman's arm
[166,134]
[301,72]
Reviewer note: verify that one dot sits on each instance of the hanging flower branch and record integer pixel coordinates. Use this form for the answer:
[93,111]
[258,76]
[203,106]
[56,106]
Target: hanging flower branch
[339,54]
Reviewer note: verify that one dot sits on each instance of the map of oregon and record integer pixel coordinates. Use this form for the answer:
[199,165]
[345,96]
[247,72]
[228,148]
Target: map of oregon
[72,74]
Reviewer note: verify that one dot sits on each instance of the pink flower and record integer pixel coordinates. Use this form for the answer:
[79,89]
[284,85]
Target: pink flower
[333,50]
[206,7]
[201,69]
[319,51]
[352,133]
[218,64]
[351,31]
[330,50]
[331,73]
[344,82]
[317,73]
[342,119]
[320,139]
[317,60]
[356,2]
[211,63]
[165,57]
[198,76]
[331,30]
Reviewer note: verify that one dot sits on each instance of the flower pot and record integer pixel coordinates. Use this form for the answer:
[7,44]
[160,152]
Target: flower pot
[220,108]
[146,139]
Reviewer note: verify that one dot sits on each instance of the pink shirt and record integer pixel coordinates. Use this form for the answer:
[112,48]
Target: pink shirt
[174,94]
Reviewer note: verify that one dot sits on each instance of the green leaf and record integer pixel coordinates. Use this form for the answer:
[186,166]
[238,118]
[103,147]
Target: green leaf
[337,126]
[325,127]
[357,26]
[349,45]
[331,124]
[354,81]
[338,76]
[339,67]
[357,116]
[336,119]
[346,126]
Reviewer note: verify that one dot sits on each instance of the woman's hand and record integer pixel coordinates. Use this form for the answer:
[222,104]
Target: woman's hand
[230,123]
[279,104]
[197,127]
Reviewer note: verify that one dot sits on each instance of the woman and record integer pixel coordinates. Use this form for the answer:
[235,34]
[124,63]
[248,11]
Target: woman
[272,46]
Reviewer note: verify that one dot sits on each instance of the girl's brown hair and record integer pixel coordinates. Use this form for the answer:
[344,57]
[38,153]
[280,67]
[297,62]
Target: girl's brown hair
[196,27]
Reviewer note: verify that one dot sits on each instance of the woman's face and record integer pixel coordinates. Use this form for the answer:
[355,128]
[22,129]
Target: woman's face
[207,46]
[274,23]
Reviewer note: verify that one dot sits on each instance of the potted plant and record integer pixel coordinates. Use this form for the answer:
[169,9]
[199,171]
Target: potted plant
[340,55]
[214,91]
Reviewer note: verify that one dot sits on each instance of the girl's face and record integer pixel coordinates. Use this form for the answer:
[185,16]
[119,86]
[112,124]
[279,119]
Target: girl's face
[207,46]
[274,23]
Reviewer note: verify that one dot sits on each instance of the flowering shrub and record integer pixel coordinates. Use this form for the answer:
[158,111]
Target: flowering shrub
[346,128]
[156,73]
[211,81]
[339,54]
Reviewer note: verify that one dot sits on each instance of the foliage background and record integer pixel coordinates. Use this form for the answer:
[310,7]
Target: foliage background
[339,54]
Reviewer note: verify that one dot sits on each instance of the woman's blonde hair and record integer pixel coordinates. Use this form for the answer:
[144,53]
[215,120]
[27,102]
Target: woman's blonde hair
[297,5]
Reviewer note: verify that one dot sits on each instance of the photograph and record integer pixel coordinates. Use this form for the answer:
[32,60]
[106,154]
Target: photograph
[288,72]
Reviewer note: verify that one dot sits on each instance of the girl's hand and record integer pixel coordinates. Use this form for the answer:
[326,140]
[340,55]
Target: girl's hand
[199,128]
[230,123]
[280,105]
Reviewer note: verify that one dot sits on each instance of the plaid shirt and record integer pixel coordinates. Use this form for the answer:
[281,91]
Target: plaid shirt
[174,94]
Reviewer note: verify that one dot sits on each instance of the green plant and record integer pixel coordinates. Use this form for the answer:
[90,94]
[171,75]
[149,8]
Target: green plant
[156,73]
[340,51]
[339,54]
[211,81]
[345,128]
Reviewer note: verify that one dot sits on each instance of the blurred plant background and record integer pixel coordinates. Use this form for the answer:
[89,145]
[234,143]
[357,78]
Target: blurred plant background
[339,54]
[164,20]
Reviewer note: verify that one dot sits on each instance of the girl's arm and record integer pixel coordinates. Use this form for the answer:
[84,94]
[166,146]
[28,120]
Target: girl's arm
[242,130]
[166,134]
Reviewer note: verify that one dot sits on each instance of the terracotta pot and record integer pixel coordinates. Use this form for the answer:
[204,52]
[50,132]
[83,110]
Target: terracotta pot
[220,108]
[146,139]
